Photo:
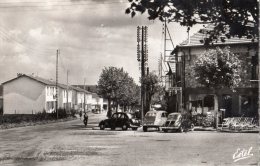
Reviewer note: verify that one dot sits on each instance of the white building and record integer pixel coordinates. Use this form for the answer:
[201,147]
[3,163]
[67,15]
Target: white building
[27,94]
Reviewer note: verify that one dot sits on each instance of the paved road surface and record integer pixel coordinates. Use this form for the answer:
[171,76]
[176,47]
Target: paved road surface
[70,143]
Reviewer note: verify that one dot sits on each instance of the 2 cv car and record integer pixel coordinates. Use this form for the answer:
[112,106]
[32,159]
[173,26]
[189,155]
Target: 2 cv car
[120,119]
[154,119]
[177,122]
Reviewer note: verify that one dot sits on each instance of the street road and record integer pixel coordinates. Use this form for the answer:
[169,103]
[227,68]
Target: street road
[70,143]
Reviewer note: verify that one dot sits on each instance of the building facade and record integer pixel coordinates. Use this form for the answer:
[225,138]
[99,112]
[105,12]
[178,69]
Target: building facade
[27,94]
[199,99]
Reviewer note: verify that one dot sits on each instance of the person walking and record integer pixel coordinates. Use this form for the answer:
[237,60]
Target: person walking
[80,114]
[85,119]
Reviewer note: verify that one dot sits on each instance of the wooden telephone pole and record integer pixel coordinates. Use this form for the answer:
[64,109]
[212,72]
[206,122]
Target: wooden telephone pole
[67,105]
[142,57]
[57,96]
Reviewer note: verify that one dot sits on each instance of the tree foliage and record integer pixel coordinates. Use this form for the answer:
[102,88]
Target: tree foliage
[229,17]
[154,90]
[218,68]
[116,85]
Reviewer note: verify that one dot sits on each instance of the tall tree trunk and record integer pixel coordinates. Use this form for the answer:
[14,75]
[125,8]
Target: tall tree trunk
[216,106]
[109,111]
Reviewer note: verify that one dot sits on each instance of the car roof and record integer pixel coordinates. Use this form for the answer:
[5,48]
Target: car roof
[120,113]
[160,111]
[177,113]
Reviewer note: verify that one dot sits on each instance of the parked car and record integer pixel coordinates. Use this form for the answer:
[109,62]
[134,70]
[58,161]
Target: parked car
[177,122]
[120,119]
[154,119]
[95,111]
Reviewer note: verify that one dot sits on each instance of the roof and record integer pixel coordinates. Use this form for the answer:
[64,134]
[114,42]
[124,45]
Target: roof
[172,68]
[198,39]
[36,78]
[46,82]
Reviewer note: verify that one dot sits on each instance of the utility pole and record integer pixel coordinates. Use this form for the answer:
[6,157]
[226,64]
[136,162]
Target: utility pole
[67,104]
[57,96]
[84,95]
[142,57]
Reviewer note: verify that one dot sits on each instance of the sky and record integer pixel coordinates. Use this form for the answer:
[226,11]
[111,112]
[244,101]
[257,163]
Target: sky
[90,34]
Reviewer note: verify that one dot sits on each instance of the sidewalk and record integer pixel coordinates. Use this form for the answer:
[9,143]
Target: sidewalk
[200,128]
[241,131]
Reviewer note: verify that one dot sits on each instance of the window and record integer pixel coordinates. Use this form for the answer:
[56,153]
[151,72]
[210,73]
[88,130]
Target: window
[164,115]
[114,116]
[150,114]
[120,116]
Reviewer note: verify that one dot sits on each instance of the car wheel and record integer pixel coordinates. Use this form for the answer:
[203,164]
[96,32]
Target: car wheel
[102,126]
[164,130]
[181,129]
[113,127]
[145,128]
[124,127]
[192,127]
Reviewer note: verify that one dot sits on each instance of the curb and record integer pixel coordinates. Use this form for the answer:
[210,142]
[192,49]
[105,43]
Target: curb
[7,126]
[201,128]
[233,131]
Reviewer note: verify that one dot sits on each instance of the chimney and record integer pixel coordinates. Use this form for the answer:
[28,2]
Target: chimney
[19,74]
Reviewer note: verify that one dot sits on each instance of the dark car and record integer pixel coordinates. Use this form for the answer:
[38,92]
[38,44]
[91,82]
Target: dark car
[177,122]
[120,119]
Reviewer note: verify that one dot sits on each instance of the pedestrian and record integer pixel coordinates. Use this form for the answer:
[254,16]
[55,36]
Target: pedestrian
[85,119]
[80,114]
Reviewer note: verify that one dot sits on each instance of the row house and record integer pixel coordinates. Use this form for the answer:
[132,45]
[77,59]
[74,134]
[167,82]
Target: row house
[96,101]
[192,96]
[27,94]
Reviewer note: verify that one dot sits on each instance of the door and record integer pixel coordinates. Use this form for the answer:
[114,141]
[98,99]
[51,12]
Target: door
[120,120]
[164,118]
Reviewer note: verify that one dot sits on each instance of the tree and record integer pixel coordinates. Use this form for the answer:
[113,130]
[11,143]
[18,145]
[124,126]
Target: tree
[229,17]
[153,89]
[116,85]
[216,69]
[128,93]
[108,84]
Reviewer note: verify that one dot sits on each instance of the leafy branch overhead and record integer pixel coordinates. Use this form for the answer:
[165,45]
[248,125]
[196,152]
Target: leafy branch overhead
[230,17]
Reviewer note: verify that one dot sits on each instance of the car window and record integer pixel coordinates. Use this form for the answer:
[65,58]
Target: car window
[121,116]
[114,116]
[164,115]
[174,116]
[150,114]
[130,116]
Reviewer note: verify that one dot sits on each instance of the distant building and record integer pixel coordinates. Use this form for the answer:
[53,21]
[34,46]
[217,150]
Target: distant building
[28,94]
[97,102]
[193,96]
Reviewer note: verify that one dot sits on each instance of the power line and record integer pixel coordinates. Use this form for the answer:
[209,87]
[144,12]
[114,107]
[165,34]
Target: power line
[8,36]
[29,50]
[68,8]
[66,1]
[58,5]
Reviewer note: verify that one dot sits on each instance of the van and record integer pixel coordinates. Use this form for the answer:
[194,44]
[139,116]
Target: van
[154,119]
